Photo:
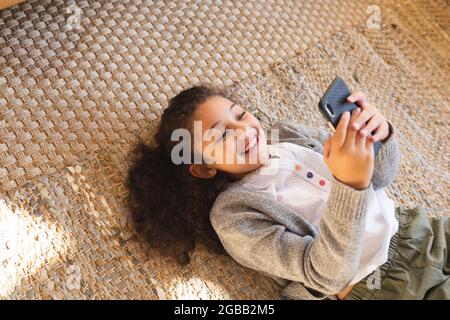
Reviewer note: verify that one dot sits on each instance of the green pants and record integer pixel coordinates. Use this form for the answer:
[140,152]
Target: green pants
[418,265]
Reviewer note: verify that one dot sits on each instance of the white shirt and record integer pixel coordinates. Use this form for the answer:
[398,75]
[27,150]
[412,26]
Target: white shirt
[298,177]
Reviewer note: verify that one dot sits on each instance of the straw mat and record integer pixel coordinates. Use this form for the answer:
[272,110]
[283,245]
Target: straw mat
[73,103]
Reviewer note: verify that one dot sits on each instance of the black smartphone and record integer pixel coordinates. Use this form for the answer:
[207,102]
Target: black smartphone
[334,103]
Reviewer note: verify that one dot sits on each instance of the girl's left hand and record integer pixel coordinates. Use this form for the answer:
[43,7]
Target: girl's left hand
[376,122]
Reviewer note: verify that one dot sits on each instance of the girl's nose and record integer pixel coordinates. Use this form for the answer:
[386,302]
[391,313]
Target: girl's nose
[241,132]
[244,135]
[238,125]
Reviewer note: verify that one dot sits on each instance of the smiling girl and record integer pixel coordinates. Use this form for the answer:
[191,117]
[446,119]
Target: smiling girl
[310,210]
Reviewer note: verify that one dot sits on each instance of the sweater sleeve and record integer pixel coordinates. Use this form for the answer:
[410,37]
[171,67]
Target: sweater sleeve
[326,263]
[387,162]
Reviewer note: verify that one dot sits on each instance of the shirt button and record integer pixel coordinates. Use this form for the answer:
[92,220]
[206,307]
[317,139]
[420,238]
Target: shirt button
[298,167]
[309,175]
[322,182]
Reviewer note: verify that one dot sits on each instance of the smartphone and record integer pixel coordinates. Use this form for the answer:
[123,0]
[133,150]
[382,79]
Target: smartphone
[334,103]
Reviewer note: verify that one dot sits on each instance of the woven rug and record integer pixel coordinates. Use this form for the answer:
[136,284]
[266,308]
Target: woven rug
[73,102]
[77,76]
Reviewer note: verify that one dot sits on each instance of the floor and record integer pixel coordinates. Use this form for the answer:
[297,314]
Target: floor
[81,81]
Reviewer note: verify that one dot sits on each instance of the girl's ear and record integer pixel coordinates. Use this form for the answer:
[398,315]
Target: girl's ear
[202,171]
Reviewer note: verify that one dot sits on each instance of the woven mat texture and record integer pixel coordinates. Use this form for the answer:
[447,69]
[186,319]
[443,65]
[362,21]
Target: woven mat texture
[74,101]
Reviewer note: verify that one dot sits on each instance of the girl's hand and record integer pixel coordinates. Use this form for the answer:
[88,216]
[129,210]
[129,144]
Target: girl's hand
[369,113]
[349,155]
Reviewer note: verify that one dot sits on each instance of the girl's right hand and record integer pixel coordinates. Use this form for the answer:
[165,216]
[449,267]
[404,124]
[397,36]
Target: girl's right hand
[348,155]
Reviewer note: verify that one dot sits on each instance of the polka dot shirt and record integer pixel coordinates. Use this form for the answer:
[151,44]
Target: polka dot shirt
[298,177]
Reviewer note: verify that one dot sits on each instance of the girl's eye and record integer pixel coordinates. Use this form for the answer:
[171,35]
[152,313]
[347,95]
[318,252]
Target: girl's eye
[241,116]
[224,135]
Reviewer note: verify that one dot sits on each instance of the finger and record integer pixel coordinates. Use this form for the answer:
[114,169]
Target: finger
[382,130]
[351,132]
[360,143]
[341,130]
[363,117]
[369,144]
[357,97]
[370,148]
[373,124]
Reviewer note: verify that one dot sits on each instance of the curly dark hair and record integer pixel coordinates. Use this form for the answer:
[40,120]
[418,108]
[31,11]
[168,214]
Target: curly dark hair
[170,207]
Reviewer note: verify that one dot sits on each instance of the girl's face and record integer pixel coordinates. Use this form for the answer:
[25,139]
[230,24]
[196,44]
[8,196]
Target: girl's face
[232,139]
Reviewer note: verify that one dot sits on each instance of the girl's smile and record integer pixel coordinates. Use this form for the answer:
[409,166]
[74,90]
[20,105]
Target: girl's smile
[241,146]
[251,143]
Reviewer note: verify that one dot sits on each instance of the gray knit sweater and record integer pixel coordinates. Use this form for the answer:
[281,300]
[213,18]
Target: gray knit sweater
[265,235]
